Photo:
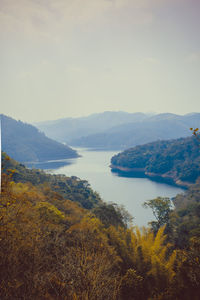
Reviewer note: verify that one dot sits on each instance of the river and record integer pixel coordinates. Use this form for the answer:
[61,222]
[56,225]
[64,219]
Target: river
[130,192]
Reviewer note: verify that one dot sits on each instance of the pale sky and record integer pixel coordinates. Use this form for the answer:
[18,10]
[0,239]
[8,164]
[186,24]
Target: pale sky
[67,58]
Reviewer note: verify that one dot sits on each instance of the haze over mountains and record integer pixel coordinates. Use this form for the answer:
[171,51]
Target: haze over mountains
[119,130]
[68,129]
[25,143]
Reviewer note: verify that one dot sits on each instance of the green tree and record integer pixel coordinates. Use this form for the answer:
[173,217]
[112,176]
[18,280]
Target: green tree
[161,207]
[113,214]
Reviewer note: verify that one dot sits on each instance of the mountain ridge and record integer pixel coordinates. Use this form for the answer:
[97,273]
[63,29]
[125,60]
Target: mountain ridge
[120,130]
[26,143]
[67,129]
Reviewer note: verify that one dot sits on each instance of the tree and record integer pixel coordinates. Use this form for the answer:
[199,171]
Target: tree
[161,207]
[195,132]
[113,214]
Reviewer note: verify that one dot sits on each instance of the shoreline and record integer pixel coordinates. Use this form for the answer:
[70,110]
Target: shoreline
[140,172]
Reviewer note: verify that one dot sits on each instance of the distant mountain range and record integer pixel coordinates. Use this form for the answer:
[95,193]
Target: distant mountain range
[119,130]
[69,129]
[26,143]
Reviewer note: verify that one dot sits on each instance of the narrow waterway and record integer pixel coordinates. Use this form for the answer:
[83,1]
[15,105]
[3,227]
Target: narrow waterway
[131,192]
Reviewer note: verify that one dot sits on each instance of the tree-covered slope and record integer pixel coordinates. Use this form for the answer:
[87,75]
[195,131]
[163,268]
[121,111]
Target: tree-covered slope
[25,143]
[176,159]
[71,188]
[185,219]
[52,248]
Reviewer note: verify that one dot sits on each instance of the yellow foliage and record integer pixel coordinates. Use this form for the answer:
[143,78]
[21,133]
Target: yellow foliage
[54,246]
[49,212]
[89,223]
[27,190]
[154,252]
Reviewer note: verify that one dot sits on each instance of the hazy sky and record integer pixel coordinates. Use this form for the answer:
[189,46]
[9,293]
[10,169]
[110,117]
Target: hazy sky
[62,58]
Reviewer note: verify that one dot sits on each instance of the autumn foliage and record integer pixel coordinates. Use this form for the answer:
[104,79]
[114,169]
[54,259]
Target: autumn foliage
[54,248]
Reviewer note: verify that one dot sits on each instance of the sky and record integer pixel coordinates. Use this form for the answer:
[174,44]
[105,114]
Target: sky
[70,58]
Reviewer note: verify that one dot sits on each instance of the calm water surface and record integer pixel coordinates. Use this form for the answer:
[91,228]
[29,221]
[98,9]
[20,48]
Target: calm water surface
[131,192]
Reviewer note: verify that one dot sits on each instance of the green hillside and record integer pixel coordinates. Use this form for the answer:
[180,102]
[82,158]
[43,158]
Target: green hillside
[178,160]
[26,143]
[71,188]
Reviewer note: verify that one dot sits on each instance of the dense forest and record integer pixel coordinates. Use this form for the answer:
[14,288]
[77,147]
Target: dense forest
[53,246]
[178,160]
[71,188]
[26,143]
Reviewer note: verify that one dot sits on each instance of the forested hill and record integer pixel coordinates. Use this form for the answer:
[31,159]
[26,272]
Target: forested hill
[25,143]
[178,160]
[54,248]
[71,188]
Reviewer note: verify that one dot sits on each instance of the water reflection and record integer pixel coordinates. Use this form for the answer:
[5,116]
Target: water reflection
[47,165]
[134,174]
